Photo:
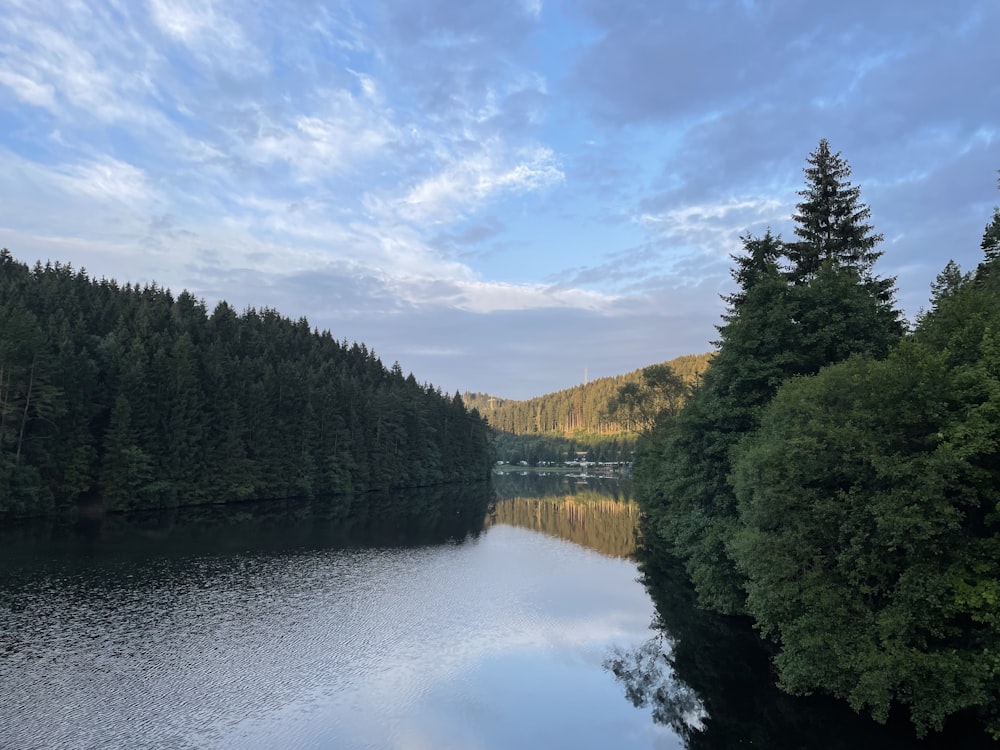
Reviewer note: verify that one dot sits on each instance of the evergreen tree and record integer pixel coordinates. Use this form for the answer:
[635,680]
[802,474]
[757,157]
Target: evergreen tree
[991,238]
[777,326]
[831,221]
[869,531]
[130,398]
[683,471]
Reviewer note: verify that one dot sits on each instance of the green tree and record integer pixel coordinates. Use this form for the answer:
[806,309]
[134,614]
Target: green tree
[658,395]
[130,397]
[868,532]
[831,220]
[778,325]
[991,238]
[869,518]
[684,466]
[125,468]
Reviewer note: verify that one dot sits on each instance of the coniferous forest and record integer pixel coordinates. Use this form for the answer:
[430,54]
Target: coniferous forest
[580,410]
[126,397]
[836,476]
[601,418]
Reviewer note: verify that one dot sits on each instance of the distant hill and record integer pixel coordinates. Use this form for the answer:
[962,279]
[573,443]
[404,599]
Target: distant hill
[577,410]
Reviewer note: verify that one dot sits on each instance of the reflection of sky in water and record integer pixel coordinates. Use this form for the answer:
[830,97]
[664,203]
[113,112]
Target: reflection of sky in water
[495,643]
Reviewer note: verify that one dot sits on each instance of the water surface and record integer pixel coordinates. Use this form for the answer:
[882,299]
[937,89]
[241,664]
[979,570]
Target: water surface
[300,626]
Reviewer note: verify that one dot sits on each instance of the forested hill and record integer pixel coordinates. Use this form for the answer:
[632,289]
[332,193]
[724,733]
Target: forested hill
[129,397]
[581,409]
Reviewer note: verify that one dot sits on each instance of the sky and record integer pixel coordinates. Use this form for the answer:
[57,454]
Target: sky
[504,197]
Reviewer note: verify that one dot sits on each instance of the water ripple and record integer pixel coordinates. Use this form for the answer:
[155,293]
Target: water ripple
[321,648]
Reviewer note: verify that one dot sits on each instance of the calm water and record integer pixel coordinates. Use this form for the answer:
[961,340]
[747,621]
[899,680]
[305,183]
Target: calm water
[411,623]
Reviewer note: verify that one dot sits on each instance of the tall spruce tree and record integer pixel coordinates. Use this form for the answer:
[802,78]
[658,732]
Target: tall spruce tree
[831,221]
[991,238]
[868,524]
[779,324]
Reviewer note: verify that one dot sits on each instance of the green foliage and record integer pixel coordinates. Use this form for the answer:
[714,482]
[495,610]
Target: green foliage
[869,532]
[659,394]
[711,679]
[775,328]
[831,220]
[129,398]
[991,238]
[578,411]
[842,485]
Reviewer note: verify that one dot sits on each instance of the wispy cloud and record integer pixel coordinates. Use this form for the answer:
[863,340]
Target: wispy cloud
[716,226]
[345,136]
[29,90]
[458,170]
[213,36]
[465,183]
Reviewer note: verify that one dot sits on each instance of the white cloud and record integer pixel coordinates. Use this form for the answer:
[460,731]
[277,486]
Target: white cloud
[487,297]
[183,21]
[532,7]
[83,62]
[715,227]
[29,90]
[107,179]
[347,133]
[212,36]
[467,182]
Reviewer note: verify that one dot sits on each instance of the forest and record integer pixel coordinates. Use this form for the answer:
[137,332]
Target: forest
[580,410]
[125,397]
[835,475]
[601,419]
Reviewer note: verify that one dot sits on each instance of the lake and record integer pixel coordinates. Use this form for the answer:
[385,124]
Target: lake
[406,620]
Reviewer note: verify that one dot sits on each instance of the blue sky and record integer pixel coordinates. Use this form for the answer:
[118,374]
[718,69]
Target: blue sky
[499,195]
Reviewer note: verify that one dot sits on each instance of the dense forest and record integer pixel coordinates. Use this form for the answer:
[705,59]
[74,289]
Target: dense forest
[600,419]
[121,397]
[837,477]
[580,410]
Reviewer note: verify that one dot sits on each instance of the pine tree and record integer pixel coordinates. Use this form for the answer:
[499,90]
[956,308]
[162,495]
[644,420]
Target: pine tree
[991,237]
[831,220]
[778,326]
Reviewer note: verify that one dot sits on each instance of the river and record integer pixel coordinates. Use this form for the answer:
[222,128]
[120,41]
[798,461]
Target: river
[403,621]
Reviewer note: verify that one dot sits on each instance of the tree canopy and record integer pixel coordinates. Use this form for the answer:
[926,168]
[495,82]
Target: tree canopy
[839,481]
[129,397]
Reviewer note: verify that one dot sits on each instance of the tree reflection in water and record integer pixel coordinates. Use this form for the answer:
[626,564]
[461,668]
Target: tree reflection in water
[710,679]
[649,680]
[597,513]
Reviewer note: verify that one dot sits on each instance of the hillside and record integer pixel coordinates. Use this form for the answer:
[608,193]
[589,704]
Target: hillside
[573,411]
[123,397]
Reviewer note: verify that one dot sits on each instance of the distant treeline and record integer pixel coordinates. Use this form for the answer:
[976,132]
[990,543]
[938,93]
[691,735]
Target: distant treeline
[127,397]
[582,409]
[553,449]
[837,477]
[601,419]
